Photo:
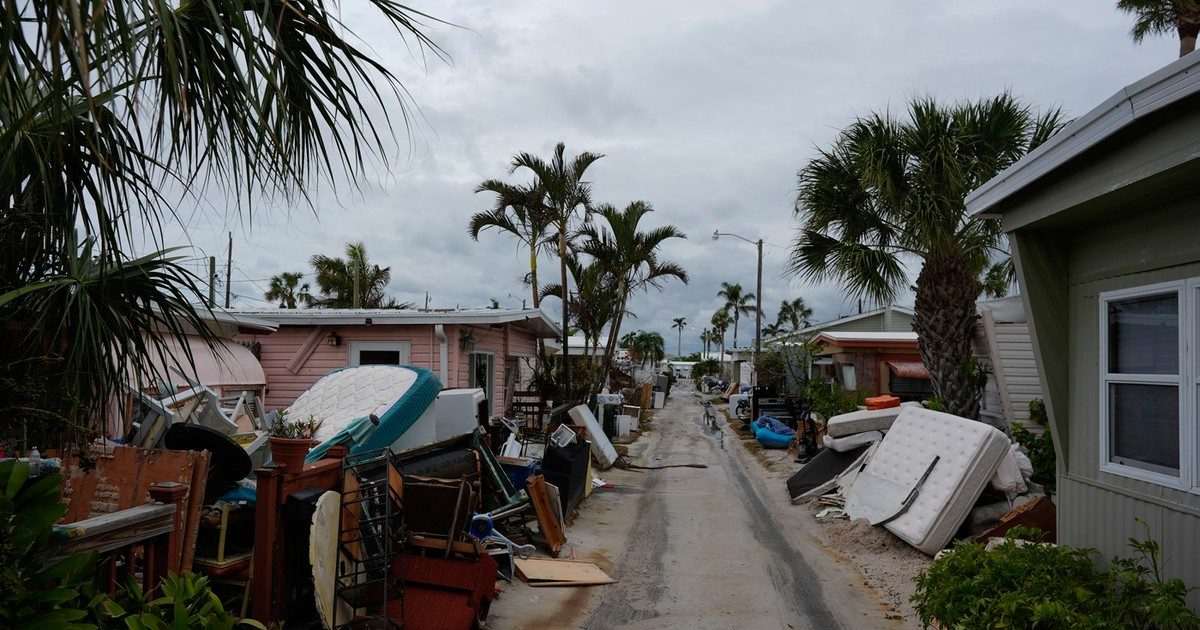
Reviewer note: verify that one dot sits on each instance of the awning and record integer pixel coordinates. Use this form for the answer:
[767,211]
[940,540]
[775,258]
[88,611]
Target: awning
[228,363]
[909,369]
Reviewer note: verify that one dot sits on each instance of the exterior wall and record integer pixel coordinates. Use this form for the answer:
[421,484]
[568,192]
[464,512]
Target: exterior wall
[1014,380]
[870,367]
[895,321]
[280,349]
[1150,244]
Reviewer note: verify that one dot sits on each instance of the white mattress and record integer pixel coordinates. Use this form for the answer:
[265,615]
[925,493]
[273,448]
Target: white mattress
[863,421]
[851,442]
[346,395]
[969,454]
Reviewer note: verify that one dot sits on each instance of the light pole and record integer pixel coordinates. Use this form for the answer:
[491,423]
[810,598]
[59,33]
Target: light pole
[716,235]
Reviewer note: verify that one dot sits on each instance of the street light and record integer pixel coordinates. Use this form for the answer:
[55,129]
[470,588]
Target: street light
[716,235]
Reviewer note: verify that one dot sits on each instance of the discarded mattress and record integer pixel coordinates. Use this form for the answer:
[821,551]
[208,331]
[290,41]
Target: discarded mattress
[602,448]
[821,469]
[346,401]
[863,421]
[966,453]
[851,442]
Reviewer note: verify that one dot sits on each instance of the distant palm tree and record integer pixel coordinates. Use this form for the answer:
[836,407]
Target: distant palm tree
[773,330]
[1159,17]
[794,314]
[287,290]
[679,325]
[567,198]
[738,303]
[353,282]
[521,212]
[720,325]
[891,190]
[648,347]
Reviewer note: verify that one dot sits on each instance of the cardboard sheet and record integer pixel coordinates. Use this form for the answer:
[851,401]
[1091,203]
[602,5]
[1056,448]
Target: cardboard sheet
[546,572]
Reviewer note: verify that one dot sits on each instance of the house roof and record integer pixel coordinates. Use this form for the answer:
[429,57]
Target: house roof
[816,328]
[1162,88]
[538,320]
[868,339]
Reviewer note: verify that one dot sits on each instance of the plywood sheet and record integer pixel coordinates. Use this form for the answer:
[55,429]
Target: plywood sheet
[548,522]
[547,572]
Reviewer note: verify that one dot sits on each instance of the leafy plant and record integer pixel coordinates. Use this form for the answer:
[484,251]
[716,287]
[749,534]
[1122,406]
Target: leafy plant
[830,399]
[705,368]
[1024,584]
[36,589]
[186,601]
[1040,448]
[296,429]
[772,370]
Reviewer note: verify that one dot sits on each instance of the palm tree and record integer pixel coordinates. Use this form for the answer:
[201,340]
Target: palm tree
[679,324]
[566,196]
[352,282]
[738,303]
[593,301]
[720,325]
[648,347]
[795,314]
[632,257]
[521,212]
[891,190]
[1159,17]
[109,107]
[773,330]
[286,288]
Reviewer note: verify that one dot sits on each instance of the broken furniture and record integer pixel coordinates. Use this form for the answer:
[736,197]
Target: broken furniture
[820,470]
[1039,512]
[529,409]
[957,455]
[152,528]
[122,478]
[566,467]
[549,514]
[602,448]
[228,462]
[220,552]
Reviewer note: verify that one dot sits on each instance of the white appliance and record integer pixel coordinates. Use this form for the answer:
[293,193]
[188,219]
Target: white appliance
[457,411]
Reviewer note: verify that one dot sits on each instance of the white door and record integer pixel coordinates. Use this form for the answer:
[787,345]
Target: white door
[380,353]
[483,375]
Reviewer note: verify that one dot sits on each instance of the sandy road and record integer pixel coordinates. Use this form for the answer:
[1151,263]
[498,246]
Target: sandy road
[711,547]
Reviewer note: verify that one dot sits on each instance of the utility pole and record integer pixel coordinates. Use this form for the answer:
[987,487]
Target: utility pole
[228,269]
[212,281]
[427,300]
[758,314]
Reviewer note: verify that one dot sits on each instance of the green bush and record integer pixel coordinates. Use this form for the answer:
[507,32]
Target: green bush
[830,399]
[1030,585]
[705,368]
[771,368]
[1039,447]
[186,601]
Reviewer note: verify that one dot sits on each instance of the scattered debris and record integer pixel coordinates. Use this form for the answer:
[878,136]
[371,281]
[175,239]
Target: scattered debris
[546,572]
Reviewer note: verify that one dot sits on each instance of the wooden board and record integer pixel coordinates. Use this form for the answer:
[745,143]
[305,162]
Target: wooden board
[547,572]
[122,479]
[547,522]
[324,556]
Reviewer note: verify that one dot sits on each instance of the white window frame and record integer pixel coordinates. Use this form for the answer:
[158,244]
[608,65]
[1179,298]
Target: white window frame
[1184,380]
[404,347]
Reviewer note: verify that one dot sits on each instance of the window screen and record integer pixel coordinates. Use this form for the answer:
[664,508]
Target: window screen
[1144,425]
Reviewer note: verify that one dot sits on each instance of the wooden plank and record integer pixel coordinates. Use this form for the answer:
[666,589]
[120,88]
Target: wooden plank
[547,572]
[306,349]
[547,523]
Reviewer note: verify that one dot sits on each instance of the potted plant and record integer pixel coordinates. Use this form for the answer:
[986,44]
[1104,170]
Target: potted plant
[291,440]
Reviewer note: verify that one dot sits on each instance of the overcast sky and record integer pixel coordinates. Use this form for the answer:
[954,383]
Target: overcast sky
[705,109]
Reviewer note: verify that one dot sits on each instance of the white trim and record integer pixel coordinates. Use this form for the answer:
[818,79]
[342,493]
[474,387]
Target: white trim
[403,347]
[489,389]
[1184,375]
[539,321]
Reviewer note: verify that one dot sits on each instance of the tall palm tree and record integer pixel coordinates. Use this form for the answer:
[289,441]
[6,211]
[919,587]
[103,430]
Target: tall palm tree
[107,109]
[738,303]
[632,257]
[287,290]
[352,282]
[794,314]
[773,330]
[519,211]
[593,301]
[648,347]
[1159,17]
[567,198]
[891,190]
[679,324]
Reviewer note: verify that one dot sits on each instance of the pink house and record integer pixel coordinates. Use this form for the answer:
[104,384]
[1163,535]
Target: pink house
[490,349]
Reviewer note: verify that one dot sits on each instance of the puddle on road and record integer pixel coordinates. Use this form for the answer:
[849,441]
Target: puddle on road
[710,423]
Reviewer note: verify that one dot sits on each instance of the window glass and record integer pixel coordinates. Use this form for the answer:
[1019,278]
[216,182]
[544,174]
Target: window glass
[379,357]
[849,379]
[1143,335]
[1144,426]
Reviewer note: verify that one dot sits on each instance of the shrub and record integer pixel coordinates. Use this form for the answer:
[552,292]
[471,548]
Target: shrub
[705,368]
[771,368]
[1039,447]
[830,399]
[1021,584]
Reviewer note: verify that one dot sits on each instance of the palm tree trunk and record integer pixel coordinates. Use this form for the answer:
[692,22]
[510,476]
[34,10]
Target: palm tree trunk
[614,331]
[1187,38]
[533,281]
[945,325]
[735,326]
[566,355]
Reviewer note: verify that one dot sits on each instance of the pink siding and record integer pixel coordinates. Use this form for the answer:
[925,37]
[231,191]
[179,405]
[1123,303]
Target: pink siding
[279,350]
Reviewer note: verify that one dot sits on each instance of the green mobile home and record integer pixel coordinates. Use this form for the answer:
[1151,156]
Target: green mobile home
[1104,223]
